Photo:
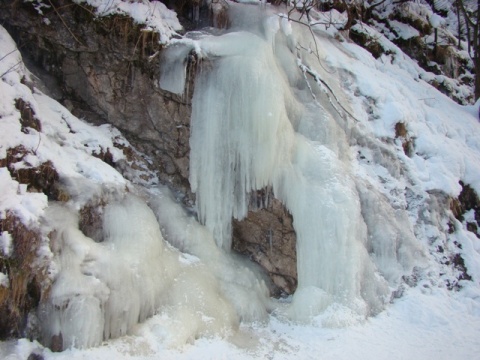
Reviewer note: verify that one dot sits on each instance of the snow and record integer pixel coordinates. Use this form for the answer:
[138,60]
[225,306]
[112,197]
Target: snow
[422,324]
[343,177]
[4,282]
[27,206]
[404,31]
[429,123]
[436,20]
[5,244]
[154,15]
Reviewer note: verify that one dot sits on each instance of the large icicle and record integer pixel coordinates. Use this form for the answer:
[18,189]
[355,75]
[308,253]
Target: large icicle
[239,117]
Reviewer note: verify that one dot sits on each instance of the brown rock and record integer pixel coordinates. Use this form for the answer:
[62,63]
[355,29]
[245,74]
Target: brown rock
[268,238]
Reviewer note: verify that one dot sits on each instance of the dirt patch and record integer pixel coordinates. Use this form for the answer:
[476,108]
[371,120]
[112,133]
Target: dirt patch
[467,200]
[407,141]
[105,155]
[27,116]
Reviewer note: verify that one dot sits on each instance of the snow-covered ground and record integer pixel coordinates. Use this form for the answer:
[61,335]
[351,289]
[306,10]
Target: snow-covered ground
[424,324]
[370,96]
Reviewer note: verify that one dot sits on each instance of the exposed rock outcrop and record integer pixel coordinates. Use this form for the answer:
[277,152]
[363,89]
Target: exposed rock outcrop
[107,71]
[268,238]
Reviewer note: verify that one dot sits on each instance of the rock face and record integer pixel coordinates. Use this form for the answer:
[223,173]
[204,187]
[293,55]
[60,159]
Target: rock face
[267,237]
[106,70]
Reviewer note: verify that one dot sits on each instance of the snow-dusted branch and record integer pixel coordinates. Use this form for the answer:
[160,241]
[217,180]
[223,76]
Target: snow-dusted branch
[323,85]
[309,26]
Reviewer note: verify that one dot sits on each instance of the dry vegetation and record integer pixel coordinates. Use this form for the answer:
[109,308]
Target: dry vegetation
[27,278]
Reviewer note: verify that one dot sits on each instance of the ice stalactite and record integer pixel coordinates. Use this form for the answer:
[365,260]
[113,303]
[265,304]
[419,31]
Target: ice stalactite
[332,262]
[248,112]
[239,114]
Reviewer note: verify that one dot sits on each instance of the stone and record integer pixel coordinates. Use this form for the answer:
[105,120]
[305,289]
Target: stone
[267,237]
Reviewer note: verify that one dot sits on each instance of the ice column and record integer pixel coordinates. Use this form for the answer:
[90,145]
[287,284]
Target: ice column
[241,135]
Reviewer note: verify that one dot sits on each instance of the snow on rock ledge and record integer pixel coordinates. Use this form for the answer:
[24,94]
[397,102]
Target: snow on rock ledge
[154,15]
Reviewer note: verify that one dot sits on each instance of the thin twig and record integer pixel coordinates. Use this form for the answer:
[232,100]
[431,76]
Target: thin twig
[11,52]
[10,69]
[38,145]
[326,23]
[317,54]
[66,6]
[317,79]
[84,8]
[377,4]
[64,23]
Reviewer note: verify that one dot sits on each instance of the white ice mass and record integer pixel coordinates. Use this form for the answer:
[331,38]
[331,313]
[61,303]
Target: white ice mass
[252,116]
[159,280]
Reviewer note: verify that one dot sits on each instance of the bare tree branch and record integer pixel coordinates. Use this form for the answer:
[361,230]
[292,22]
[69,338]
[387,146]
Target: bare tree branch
[11,68]
[11,52]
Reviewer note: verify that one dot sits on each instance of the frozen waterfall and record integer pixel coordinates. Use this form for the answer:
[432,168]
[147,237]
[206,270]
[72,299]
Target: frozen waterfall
[258,120]
[251,106]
